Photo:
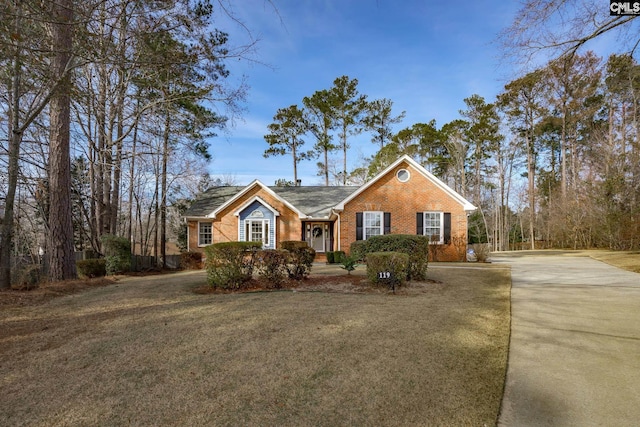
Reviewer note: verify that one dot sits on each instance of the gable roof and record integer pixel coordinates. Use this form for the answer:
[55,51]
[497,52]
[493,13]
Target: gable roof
[467,206]
[314,202]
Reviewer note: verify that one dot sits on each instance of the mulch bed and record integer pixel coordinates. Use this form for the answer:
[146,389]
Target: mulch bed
[347,284]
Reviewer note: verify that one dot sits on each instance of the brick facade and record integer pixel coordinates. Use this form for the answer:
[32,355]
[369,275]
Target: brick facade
[404,200]
[421,192]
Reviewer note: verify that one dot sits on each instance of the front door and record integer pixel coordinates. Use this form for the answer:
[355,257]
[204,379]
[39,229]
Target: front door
[318,236]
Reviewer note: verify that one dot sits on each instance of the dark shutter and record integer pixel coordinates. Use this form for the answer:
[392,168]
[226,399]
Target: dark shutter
[387,223]
[304,231]
[330,248]
[447,228]
[358,225]
[420,223]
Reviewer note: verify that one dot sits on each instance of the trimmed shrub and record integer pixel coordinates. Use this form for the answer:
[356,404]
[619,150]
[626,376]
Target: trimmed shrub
[339,256]
[300,258]
[416,246]
[90,268]
[358,249]
[273,267]
[191,260]
[117,253]
[388,268]
[230,264]
[330,257]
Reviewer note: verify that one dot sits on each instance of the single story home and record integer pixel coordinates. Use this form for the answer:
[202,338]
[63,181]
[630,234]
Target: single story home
[402,199]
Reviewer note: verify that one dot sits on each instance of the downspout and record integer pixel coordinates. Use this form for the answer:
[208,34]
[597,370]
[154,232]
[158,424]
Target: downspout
[339,227]
[186,221]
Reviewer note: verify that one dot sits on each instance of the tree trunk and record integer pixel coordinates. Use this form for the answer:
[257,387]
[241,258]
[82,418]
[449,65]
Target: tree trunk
[295,164]
[15,138]
[163,203]
[531,170]
[61,257]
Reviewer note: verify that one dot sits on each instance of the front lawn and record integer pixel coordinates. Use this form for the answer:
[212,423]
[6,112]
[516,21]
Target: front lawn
[154,353]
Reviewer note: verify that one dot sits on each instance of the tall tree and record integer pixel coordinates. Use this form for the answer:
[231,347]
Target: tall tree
[483,136]
[378,120]
[285,137]
[522,101]
[348,105]
[457,149]
[61,252]
[572,81]
[321,120]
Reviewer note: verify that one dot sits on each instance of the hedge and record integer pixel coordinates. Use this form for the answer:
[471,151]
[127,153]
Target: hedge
[415,246]
[388,268]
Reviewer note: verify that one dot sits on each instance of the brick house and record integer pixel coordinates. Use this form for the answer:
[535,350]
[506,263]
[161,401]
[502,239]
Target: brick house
[403,199]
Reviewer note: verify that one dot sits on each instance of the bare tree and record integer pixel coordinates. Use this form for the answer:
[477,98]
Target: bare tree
[562,27]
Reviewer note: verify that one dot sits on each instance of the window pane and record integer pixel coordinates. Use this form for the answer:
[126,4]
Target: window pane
[205,234]
[256,231]
[372,224]
[433,225]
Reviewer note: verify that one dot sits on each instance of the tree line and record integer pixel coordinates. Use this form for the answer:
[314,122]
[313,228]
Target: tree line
[553,160]
[98,97]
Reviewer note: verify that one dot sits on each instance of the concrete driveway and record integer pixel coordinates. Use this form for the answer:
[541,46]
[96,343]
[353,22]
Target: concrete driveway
[574,356]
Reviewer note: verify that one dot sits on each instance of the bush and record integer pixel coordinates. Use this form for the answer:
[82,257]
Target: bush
[330,257]
[389,268]
[349,264]
[191,260]
[230,264]
[273,267]
[482,251]
[339,256]
[27,277]
[358,250]
[89,268]
[117,254]
[415,246]
[335,257]
[299,259]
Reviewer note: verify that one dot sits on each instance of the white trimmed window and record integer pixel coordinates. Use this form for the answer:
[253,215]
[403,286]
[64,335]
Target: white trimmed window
[372,224]
[257,230]
[434,226]
[205,233]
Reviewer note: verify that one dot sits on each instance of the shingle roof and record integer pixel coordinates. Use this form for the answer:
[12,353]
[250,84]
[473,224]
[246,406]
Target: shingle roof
[211,199]
[315,201]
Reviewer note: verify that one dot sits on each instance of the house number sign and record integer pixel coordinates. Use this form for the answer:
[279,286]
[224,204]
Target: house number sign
[387,276]
[384,275]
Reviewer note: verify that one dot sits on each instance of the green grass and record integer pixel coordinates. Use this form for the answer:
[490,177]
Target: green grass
[150,352]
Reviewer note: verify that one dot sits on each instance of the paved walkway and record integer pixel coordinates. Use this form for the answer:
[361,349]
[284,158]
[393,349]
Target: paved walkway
[574,357]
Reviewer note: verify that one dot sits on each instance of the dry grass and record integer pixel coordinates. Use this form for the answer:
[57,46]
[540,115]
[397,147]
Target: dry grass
[627,260]
[148,351]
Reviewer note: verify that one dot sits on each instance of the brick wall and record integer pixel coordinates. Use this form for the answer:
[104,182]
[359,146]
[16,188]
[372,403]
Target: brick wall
[403,200]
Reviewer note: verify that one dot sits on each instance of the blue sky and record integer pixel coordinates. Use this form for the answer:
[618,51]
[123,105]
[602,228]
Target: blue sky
[426,56]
